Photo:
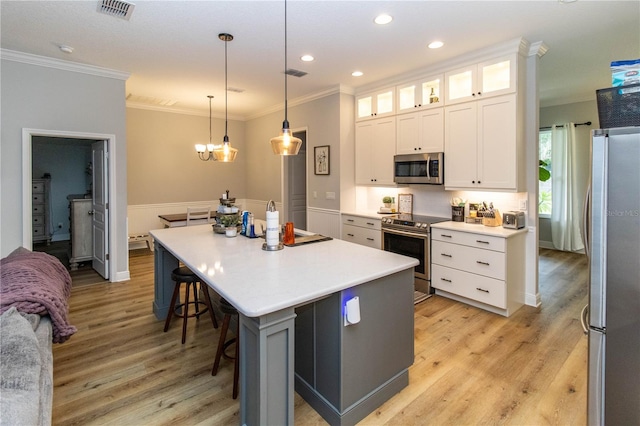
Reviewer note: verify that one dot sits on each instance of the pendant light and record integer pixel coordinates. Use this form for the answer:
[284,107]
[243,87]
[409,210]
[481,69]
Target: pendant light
[285,143]
[201,149]
[225,152]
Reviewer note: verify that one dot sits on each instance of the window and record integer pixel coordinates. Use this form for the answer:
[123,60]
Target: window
[544,187]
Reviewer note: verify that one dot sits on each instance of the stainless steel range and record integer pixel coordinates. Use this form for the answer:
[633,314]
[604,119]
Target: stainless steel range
[410,235]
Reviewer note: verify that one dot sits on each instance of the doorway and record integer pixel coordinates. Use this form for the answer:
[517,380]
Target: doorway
[68,160]
[295,184]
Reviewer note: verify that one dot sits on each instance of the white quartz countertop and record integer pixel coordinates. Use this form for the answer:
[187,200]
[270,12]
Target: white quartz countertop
[259,282]
[496,231]
[367,214]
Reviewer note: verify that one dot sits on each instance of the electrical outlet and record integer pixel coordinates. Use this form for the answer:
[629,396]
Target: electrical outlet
[523,205]
[330,195]
[315,194]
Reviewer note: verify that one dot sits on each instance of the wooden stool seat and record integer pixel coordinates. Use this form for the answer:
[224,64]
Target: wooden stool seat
[229,311]
[181,275]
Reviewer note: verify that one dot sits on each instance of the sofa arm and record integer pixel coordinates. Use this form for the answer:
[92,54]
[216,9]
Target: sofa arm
[26,369]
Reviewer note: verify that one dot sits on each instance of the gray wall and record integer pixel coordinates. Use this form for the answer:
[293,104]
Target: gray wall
[163,166]
[321,119]
[578,112]
[39,97]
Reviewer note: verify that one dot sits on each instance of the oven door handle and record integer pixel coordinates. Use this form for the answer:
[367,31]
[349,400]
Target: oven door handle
[405,233]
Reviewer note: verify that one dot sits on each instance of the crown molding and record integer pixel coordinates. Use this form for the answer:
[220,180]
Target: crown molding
[340,88]
[538,48]
[43,61]
[185,111]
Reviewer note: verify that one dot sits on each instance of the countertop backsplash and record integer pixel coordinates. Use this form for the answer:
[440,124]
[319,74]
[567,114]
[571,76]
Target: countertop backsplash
[432,200]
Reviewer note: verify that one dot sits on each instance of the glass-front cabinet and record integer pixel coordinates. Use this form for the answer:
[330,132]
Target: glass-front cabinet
[490,78]
[420,94]
[375,105]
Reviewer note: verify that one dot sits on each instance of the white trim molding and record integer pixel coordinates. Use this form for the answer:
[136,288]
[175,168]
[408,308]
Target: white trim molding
[43,61]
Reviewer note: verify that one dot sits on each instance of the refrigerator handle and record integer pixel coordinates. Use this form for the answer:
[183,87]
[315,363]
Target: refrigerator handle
[583,319]
[585,220]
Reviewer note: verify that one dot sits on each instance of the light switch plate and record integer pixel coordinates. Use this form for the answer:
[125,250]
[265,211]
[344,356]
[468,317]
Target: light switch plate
[523,205]
[331,195]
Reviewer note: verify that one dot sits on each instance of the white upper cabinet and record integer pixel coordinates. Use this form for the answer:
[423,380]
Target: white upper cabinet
[482,145]
[489,78]
[374,105]
[420,132]
[375,148]
[421,94]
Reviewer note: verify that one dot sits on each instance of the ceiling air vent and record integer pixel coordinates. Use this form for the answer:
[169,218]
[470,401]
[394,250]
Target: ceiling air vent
[295,73]
[117,8]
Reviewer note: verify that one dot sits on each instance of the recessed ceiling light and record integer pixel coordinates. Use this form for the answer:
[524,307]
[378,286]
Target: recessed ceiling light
[66,49]
[436,45]
[383,19]
[307,58]
[357,73]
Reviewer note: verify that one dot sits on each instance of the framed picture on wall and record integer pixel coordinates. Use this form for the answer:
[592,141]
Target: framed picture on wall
[321,160]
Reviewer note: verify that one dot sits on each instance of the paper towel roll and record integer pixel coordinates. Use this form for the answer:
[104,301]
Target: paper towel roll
[273,228]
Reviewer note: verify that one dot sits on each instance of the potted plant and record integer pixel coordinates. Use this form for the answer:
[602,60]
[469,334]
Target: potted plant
[230,223]
[387,201]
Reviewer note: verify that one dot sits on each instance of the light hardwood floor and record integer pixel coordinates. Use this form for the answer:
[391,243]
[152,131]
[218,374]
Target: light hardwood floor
[471,367]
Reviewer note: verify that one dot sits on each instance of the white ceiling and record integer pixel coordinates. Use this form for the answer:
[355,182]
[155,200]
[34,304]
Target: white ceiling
[172,50]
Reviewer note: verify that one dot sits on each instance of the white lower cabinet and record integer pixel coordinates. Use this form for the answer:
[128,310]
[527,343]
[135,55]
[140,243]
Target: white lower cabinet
[482,270]
[362,230]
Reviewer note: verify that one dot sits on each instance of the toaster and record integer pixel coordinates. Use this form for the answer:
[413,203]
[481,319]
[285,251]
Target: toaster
[513,220]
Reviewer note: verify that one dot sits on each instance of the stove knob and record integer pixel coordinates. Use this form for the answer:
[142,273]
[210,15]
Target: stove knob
[425,226]
[418,225]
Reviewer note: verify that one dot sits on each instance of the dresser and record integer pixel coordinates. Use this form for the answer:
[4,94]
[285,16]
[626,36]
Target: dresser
[81,241]
[40,210]
[479,265]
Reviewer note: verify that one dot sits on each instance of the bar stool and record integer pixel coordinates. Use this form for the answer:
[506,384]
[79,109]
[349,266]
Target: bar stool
[181,275]
[229,311]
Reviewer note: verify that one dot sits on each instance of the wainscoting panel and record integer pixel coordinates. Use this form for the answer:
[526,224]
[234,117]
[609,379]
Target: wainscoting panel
[323,221]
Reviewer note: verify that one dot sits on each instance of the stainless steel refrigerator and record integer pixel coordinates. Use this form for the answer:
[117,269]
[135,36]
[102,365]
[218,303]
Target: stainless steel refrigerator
[614,294]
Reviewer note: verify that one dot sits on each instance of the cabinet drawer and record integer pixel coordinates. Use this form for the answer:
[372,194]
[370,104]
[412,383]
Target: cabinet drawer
[468,239]
[363,222]
[37,220]
[37,198]
[37,187]
[37,209]
[38,230]
[366,237]
[470,259]
[482,289]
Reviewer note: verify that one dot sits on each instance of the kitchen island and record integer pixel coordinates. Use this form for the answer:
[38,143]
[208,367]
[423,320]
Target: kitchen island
[298,295]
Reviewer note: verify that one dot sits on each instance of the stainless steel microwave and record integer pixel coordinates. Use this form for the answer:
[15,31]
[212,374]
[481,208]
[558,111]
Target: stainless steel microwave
[419,168]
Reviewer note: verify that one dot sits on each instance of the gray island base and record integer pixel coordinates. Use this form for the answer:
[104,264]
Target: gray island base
[343,371]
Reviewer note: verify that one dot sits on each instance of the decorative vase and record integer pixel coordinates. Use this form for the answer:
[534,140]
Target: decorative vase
[387,204]
[231,231]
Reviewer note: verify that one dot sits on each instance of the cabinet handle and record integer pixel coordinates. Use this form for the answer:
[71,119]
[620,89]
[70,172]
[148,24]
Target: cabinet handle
[482,263]
[445,280]
[369,223]
[445,235]
[473,181]
[482,290]
[350,235]
[445,255]
[482,242]
[479,93]
[479,182]
[350,220]
[370,239]
[91,212]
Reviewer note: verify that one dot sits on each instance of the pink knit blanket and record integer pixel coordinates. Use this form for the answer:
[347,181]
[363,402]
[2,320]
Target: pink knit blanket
[37,283]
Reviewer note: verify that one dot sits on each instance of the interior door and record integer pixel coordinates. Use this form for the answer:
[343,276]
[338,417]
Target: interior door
[297,184]
[100,208]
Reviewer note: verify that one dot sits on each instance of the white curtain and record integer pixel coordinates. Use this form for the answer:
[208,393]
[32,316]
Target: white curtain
[566,201]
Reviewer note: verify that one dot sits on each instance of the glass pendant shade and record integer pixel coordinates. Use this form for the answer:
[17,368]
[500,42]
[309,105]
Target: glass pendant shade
[225,153]
[286,143]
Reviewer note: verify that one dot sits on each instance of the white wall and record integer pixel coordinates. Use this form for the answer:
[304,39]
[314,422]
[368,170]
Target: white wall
[37,95]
